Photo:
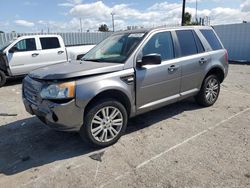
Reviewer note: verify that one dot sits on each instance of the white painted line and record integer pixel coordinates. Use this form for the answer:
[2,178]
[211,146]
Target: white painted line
[97,169]
[176,146]
[168,150]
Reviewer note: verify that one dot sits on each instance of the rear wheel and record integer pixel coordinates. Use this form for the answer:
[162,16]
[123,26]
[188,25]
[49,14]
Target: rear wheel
[104,123]
[2,78]
[209,92]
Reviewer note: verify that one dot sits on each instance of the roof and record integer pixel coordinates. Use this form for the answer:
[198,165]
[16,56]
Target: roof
[163,28]
[45,35]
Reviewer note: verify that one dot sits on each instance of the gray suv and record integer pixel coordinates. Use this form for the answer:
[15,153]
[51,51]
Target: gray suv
[127,74]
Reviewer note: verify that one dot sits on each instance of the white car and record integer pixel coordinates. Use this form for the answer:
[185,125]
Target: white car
[28,53]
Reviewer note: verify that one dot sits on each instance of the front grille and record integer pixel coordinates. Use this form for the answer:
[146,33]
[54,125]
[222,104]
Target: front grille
[31,90]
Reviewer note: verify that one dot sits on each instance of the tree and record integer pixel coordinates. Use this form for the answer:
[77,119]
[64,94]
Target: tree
[1,32]
[187,18]
[103,28]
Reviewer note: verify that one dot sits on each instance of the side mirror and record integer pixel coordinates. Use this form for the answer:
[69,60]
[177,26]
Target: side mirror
[150,59]
[13,50]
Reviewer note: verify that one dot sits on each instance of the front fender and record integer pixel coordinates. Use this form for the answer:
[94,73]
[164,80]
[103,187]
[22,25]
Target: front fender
[88,88]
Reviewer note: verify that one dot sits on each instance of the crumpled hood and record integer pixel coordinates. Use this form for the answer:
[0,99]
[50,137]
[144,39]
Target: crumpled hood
[74,69]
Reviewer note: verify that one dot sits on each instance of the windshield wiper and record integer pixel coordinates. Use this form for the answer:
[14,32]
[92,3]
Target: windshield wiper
[95,60]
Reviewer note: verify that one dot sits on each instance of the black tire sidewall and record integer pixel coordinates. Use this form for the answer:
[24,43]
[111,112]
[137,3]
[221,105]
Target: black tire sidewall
[202,94]
[85,131]
[2,78]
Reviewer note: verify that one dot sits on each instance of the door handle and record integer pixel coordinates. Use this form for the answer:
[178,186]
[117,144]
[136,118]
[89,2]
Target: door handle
[172,68]
[35,54]
[60,52]
[203,61]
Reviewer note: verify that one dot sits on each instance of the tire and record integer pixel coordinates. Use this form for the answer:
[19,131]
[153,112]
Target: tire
[95,124]
[209,91]
[2,78]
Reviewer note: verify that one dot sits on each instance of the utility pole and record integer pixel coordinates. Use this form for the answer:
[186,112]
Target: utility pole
[81,25]
[183,13]
[113,21]
[196,8]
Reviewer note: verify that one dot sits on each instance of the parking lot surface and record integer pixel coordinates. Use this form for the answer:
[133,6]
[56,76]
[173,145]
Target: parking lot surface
[181,145]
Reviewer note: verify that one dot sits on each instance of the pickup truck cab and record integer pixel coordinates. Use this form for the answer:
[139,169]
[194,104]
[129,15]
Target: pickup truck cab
[129,73]
[28,53]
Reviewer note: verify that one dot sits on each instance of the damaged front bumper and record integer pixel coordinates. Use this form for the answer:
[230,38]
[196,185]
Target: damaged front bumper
[59,115]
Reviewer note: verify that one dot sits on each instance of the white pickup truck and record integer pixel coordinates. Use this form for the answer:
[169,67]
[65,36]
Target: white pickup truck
[28,53]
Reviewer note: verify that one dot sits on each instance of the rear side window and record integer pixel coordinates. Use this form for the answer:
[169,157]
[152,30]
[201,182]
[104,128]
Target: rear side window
[211,39]
[49,43]
[160,43]
[187,42]
[199,45]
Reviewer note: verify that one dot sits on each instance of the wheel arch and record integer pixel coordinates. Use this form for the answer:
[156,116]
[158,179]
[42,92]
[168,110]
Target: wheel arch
[113,94]
[218,71]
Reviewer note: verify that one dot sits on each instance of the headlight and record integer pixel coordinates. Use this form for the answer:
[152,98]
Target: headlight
[59,91]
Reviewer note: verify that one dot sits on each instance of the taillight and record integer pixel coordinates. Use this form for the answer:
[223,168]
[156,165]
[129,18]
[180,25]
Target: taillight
[226,56]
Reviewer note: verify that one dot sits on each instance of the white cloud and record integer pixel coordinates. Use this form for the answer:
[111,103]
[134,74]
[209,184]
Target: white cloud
[24,23]
[245,6]
[70,3]
[165,13]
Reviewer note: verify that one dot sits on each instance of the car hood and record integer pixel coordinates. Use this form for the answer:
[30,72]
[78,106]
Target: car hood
[74,69]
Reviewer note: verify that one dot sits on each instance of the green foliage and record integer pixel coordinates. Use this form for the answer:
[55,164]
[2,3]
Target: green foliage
[103,28]
[187,18]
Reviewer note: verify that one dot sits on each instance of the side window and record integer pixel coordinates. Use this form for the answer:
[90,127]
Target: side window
[211,39]
[199,45]
[25,45]
[160,43]
[187,42]
[49,43]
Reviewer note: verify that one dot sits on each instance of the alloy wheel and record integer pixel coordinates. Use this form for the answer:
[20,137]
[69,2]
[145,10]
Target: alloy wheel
[106,124]
[212,90]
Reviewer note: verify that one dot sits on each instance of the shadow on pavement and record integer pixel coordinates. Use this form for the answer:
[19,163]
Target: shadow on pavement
[28,143]
[13,81]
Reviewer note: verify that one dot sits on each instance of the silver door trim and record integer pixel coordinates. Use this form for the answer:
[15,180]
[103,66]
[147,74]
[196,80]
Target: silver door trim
[185,93]
[164,100]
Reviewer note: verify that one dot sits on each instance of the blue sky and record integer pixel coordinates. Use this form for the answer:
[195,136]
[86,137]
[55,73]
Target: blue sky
[64,15]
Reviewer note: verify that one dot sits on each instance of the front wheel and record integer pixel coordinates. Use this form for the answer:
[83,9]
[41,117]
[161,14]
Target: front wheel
[209,92]
[2,78]
[104,124]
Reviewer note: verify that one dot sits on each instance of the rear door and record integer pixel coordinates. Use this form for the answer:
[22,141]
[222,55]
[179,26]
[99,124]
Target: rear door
[52,51]
[24,56]
[193,59]
[157,85]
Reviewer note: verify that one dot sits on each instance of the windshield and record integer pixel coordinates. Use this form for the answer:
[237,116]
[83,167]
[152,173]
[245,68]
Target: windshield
[116,48]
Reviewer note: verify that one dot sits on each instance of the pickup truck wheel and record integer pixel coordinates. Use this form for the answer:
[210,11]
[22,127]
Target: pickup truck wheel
[104,123]
[2,78]
[209,92]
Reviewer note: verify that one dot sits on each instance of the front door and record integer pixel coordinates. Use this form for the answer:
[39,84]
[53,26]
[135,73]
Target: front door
[158,85]
[23,57]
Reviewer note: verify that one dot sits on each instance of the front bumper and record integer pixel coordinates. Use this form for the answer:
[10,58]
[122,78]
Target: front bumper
[62,117]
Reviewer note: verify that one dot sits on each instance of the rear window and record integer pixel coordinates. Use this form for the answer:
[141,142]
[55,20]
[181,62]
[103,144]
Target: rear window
[49,43]
[187,42]
[211,39]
